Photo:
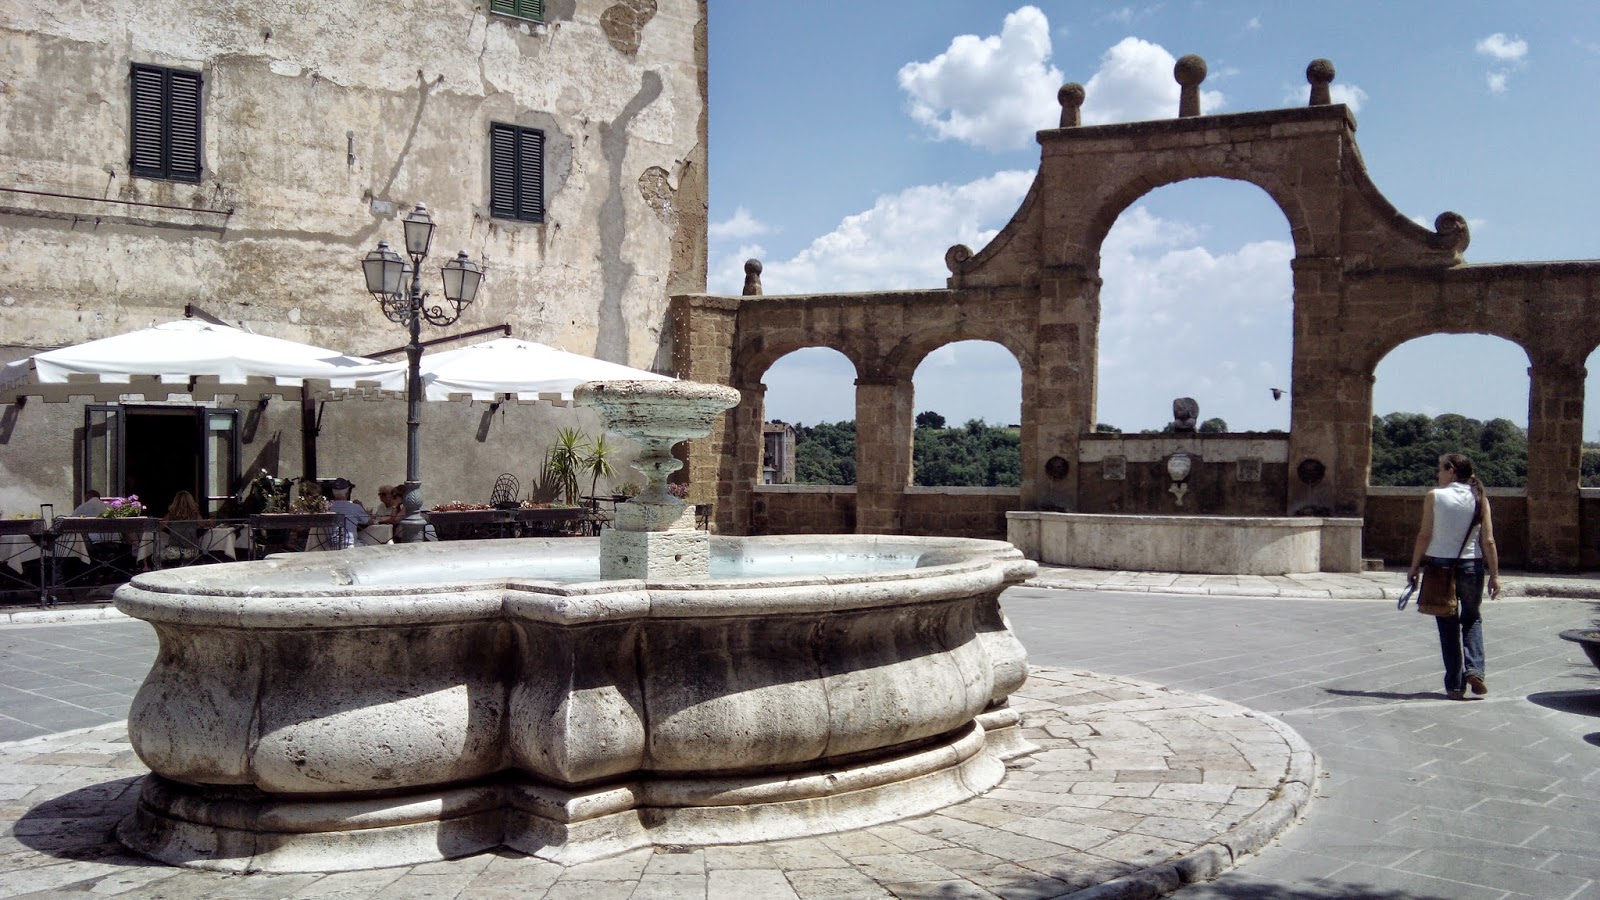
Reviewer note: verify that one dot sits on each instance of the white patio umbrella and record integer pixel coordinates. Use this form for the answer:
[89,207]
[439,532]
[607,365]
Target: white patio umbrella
[507,367]
[181,357]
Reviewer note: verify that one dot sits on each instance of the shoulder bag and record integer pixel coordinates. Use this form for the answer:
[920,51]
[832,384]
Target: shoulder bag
[1438,594]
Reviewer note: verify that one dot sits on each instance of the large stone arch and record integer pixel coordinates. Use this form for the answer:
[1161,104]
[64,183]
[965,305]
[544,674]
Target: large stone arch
[1365,277]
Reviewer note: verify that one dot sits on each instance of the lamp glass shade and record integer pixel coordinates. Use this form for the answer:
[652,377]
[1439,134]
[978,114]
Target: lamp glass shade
[383,268]
[419,231]
[461,279]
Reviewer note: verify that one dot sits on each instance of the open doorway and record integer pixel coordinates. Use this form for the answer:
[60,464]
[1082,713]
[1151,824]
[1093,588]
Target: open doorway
[155,451]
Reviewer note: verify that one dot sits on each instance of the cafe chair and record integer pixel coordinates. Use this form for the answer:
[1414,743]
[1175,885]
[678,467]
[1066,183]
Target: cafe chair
[506,491]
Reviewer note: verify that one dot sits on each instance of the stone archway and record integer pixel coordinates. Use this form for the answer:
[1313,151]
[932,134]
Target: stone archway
[1365,279]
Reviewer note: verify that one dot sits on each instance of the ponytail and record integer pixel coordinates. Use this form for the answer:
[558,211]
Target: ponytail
[1462,467]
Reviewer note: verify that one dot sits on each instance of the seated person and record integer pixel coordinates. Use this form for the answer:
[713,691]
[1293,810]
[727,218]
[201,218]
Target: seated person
[353,516]
[182,525]
[91,507]
[391,508]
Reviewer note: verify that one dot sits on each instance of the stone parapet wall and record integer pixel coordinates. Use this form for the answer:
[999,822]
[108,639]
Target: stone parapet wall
[1393,514]
[978,512]
[803,509]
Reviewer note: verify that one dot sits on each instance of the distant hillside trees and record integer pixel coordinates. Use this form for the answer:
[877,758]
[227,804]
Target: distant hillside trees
[975,454]
[1405,451]
[1406,448]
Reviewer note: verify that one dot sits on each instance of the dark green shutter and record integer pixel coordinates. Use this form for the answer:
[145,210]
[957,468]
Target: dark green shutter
[166,137]
[183,125]
[530,176]
[522,9]
[516,173]
[149,120]
[503,171]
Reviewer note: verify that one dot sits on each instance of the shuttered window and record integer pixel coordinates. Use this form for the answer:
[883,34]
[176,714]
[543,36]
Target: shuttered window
[516,173]
[522,9]
[166,123]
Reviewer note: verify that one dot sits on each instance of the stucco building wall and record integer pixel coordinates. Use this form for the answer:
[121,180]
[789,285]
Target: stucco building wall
[323,125]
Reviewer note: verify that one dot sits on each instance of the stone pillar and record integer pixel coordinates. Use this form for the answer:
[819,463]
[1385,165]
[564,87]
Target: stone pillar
[740,468]
[885,423]
[1058,389]
[1330,416]
[1555,447]
[1330,440]
[703,332]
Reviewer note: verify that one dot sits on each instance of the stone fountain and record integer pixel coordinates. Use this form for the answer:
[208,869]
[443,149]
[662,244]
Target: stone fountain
[394,705]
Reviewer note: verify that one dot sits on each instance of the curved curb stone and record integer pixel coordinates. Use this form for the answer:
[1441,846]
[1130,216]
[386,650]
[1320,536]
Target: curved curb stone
[1137,791]
[1285,808]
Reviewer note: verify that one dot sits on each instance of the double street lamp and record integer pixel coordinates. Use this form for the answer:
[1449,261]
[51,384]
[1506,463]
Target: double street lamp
[407,304]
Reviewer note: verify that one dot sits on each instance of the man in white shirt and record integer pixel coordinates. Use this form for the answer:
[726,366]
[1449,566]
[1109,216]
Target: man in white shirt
[91,507]
[353,516]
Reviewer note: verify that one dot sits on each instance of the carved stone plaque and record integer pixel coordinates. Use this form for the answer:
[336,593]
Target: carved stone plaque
[1114,468]
[1249,468]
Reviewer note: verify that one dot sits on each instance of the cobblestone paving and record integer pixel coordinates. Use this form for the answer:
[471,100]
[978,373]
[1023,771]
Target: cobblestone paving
[1136,787]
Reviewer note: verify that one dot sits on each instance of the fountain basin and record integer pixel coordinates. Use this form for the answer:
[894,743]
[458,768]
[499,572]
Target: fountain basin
[1588,639]
[389,706]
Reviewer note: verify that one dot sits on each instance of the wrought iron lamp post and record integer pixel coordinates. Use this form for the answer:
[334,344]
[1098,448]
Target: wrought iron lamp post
[407,304]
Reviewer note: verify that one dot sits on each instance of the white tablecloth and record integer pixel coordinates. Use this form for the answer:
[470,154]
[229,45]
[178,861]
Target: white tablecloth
[371,535]
[16,549]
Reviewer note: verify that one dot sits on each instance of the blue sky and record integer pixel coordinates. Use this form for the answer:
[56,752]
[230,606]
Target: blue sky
[851,143]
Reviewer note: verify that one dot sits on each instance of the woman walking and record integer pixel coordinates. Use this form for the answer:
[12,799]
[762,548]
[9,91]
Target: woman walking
[1458,530]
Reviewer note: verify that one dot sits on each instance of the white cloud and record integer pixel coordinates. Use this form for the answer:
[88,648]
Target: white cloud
[1135,83]
[1508,53]
[992,92]
[1498,46]
[1348,94]
[1218,322]
[899,243]
[1254,24]
[740,227]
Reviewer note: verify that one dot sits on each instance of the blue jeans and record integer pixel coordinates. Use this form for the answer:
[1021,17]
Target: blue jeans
[1461,635]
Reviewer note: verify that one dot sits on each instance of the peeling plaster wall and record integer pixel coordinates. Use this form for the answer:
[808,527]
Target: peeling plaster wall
[323,124]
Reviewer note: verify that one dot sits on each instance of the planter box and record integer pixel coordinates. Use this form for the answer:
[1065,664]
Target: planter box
[96,525]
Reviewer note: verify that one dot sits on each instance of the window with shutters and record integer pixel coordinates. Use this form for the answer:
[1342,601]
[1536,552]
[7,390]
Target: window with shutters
[516,173]
[522,9]
[166,123]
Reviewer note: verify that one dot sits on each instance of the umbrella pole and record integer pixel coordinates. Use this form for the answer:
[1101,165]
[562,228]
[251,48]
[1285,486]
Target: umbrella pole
[308,436]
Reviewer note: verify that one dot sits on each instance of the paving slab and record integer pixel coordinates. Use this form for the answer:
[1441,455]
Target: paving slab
[1024,839]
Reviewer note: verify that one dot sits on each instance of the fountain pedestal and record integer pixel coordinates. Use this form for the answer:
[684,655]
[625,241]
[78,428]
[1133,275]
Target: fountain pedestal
[654,536]
[655,543]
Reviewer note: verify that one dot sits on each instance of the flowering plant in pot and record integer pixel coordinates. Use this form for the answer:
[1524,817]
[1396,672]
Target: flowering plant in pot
[122,507]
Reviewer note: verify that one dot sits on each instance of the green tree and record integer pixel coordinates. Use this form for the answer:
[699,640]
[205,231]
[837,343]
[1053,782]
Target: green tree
[825,453]
[1406,448]
[929,419]
[1214,426]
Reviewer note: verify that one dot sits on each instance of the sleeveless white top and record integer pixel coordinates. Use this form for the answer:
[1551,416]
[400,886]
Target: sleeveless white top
[1452,515]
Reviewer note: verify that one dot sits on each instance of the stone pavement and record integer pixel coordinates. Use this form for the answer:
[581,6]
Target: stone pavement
[1136,789]
[1385,584]
[1415,796]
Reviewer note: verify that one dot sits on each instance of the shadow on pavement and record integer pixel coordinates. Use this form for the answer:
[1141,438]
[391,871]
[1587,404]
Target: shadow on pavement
[82,824]
[1584,703]
[1387,695]
[1326,889]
